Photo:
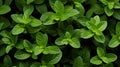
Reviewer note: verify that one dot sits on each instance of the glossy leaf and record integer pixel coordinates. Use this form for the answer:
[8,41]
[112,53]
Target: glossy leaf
[108,11]
[110,57]
[100,38]
[86,33]
[41,39]
[37,50]
[100,52]
[18,29]
[21,55]
[51,50]
[95,60]
[114,42]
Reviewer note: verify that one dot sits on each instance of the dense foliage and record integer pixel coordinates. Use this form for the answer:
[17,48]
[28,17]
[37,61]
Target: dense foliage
[59,33]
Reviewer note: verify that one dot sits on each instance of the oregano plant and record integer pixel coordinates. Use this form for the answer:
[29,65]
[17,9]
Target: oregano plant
[59,33]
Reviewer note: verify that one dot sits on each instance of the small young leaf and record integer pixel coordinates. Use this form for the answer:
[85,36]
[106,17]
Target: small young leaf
[74,42]
[41,39]
[37,50]
[21,55]
[80,8]
[111,5]
[100,52]
[58,7]
[28,10]
[114,42]
[4,9]
[18,29]
[95,60]
[97,20]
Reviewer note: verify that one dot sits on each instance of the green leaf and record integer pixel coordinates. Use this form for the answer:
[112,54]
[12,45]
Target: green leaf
[58,7]
[100,38]
[91,26]
[108,11]
[61,41]
[2,50]
[41,39]
[102,25]
[29,1]
[95,60]
[78,62]
[117,5]
[38,1]
[7,61]
[114,42]
[19,45]
[6,40]
[86,33]
[80,8]
[67,35]
[98,9]
[8,48]
[4,23]
[110,57]
[51,50]
[96,20]
[35,64]
[111,5]
[52,58]
[4,9]
[37,50]
[28,10]
[49,17]
[28,46]
[41,8]
[118,28]
[117,14]
[1,2]
[69,12]
[21,55]
[100,52]
[19,18]
[104,2]
[89,13]
[18,29]
[35,22]
[74,42]
[8,2]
